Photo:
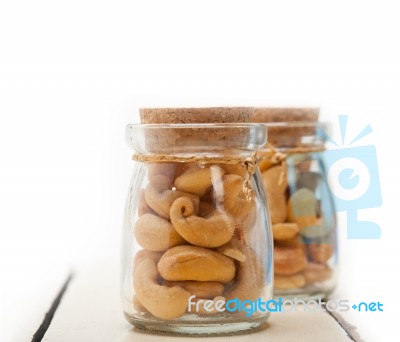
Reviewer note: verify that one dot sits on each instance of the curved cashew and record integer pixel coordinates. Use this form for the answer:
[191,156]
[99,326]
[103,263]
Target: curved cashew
[232,249]
[276,193]
[250,280]
[160,196]
[288,261]
[284,231]
[201,289]
[156,234]
[195,263]
[212,231]
[161,301]
[197,180]
[234,200]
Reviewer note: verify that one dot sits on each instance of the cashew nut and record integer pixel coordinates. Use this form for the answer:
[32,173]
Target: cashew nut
[201,289]
[195,263]
[197,180]
[250,280]
[212,231]
[161,301]
[234,200]
[275,189]
[232,249]
[288,261]
[284,231]
[156,234]
[160,196]
[294,242]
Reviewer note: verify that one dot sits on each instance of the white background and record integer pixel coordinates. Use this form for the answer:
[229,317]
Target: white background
[73,73]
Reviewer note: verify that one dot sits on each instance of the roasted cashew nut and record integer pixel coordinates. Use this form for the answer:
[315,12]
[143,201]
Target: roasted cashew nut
[275,189]
[156,234]
[197,180]
[288,261]
[195,263]
[284,231]
[160,196]
[212,231]
[161,301]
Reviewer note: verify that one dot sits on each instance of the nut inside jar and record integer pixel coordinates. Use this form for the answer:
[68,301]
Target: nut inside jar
[194,227]
[303,232]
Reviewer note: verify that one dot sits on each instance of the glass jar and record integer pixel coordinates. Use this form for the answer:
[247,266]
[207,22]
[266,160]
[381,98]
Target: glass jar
[197,242]
[302,210]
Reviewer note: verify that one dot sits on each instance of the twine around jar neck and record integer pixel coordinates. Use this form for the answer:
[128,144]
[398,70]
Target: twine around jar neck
[250,164]
[278,157]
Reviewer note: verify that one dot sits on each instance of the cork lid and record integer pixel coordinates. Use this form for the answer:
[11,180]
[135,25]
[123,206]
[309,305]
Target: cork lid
[288,127]
[195,115]
[290,114]
[169,139]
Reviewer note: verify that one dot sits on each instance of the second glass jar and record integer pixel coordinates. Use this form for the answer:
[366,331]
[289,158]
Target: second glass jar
[302,210]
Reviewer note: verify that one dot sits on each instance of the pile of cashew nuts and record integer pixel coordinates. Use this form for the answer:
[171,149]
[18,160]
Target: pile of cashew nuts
[193,224]
[294,220]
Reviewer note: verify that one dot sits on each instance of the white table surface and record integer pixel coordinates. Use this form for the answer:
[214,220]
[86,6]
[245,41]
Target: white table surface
[90,311]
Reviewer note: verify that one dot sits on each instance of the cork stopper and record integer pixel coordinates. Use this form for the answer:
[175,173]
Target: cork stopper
[195,115]
[169,139]
[297,127]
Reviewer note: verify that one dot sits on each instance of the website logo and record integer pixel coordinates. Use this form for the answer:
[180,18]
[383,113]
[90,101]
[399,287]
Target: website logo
[353,178]
[249,307]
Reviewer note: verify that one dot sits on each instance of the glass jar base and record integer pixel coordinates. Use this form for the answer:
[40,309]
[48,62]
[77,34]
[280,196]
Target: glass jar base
[200,327]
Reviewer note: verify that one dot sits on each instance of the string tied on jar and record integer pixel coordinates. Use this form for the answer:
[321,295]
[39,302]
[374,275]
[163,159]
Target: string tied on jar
[250,164]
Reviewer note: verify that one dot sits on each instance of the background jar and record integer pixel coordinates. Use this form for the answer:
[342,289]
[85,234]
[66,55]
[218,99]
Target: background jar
[301,206]
[193,228]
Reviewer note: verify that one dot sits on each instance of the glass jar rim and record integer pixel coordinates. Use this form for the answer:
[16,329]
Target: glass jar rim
[238,136]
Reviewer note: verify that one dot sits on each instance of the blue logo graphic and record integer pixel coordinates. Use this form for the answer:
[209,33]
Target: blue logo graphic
[354,181]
